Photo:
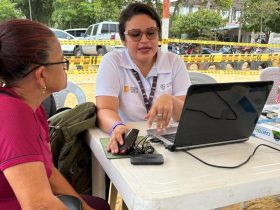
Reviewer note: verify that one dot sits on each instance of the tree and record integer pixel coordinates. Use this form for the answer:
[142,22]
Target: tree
[8,11]
[80,13]
[261,16]
[177,6]
[198,24]
[220,4]
[223,4]
[41,10]
[72,14]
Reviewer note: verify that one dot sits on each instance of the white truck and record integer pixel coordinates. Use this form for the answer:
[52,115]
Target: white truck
[274,38]
[100,31]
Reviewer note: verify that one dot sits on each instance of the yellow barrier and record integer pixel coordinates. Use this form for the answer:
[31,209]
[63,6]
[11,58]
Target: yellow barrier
[206,42]
[95,60]
[230,58]
[166,41]
[236,72]
[87,70]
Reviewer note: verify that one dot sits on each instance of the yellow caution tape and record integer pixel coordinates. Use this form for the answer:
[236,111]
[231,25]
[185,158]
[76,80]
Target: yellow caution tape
[236,72]
[167,41]
[91,42]
[95,60]
[93,73]
[230,58]
[207,42]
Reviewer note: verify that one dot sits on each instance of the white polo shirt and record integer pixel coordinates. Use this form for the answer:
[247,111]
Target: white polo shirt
[115,78]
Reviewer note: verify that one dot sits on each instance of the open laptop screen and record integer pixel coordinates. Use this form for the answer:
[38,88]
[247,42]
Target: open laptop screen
[221,112]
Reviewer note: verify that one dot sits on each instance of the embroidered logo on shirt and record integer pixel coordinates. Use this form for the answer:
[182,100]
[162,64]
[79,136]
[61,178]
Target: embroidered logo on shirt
[164,87]
[126,89]
[134,89]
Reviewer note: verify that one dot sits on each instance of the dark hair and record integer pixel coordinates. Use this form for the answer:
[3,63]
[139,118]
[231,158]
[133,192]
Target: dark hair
[136,9]
[22,44]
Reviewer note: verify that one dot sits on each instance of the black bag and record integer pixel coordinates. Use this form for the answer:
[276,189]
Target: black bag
[71,154]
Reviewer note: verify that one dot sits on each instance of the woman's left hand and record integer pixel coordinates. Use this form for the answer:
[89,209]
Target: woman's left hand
[161,112]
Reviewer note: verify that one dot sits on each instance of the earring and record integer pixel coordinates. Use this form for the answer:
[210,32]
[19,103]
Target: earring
[44,89]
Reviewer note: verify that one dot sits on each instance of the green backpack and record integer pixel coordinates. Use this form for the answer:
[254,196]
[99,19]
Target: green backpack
[71,154]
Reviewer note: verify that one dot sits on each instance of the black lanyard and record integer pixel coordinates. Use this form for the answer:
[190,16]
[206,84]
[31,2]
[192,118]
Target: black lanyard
[148,102]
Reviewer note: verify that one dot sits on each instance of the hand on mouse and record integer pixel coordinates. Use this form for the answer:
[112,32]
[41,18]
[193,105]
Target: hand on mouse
[116,139]
[129,140]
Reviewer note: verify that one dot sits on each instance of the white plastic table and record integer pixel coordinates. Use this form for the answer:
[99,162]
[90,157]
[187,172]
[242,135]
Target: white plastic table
[184,183]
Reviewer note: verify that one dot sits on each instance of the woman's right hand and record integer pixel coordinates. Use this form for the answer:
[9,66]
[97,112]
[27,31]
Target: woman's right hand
[116,138]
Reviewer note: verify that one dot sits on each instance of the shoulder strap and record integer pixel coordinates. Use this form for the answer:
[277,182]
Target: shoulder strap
[147,102]
[6,93]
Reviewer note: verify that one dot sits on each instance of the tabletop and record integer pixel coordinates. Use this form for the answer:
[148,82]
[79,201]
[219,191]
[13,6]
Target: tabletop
[183,182]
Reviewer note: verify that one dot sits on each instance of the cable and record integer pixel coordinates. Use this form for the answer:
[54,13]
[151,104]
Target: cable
[142,147]
[231,167]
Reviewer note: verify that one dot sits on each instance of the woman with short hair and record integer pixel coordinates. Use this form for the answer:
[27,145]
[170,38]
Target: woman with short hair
[141,82]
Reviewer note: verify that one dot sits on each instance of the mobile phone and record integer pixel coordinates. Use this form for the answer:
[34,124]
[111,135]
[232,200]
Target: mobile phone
[147,159]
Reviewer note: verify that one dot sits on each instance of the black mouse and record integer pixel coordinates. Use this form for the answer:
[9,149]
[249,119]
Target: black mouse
[129,139]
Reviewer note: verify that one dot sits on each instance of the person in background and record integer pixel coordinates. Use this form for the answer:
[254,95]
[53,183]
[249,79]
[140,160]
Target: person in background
[140,82]
[32,67]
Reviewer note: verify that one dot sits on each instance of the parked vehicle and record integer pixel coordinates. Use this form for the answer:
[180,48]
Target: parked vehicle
[63,35]
[100,31]
[274,38]
[226,50]
[77,32]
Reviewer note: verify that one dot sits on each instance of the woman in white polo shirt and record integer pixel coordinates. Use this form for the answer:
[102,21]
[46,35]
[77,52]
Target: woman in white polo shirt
[140,82]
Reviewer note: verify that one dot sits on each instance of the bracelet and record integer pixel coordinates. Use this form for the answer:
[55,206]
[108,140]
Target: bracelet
[114,126]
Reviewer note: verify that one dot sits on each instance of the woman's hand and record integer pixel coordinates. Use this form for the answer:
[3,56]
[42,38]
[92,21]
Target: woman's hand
[116,138]
[161,112]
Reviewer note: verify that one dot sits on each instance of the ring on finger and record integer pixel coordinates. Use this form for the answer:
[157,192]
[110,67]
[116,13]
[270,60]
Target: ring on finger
[159,115]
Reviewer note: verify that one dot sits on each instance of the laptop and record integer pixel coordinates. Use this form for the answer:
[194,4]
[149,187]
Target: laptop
[217,113]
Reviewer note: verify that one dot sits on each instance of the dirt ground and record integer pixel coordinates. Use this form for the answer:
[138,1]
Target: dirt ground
[87,83]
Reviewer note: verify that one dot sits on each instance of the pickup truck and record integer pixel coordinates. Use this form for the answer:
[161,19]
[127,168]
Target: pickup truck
[100,31]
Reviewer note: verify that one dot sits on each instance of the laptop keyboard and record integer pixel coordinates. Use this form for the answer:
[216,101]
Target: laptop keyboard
[170,137]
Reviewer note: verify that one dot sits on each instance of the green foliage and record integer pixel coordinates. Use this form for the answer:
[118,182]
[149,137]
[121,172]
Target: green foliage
[106,10]
[221,4]
[198,24]
[261,16]
[79,13]
[224,4]
[8,11]
[41,10]
[72,14]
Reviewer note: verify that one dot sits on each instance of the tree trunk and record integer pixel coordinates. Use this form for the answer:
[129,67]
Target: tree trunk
[176,9]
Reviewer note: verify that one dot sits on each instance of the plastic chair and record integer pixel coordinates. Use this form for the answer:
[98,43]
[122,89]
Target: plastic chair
[200,78]
[271,73]
[60,97]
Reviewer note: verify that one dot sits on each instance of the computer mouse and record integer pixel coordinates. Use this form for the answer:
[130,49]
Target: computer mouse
[129,139]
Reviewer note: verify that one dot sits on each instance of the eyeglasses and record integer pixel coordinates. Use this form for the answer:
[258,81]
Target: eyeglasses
[65,65]
[136,34]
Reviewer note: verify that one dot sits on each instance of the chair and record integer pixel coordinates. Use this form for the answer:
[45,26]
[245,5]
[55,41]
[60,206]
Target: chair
[60,97]
[200,78]
[49,106]
[271,73]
